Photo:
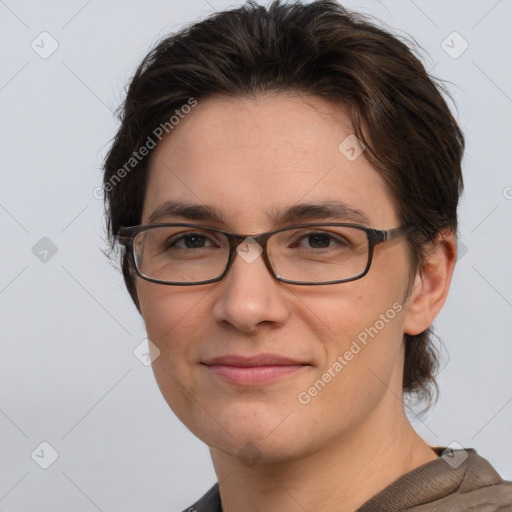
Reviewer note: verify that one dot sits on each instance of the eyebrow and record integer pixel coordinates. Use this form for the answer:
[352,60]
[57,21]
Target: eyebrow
[304,212]
[186,211]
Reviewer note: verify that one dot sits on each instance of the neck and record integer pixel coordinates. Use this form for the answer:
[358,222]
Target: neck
[340,476]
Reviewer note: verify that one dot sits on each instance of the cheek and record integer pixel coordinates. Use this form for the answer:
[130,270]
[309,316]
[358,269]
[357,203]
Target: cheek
[175,320]
[167,311]
[362,326]
[352,310]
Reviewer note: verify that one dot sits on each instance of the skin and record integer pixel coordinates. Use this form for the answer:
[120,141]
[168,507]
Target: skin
[249,158]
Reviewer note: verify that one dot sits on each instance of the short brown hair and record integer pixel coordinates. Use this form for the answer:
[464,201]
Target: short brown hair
[321,49]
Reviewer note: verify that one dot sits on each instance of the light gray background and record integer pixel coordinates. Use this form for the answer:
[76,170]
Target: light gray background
[68,375]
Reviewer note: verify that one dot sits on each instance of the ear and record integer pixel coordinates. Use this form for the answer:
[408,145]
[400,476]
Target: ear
[431,284]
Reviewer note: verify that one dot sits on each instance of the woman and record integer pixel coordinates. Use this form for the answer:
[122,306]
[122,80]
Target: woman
[285,181]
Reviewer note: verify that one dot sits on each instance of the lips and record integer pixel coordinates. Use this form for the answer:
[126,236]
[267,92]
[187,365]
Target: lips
[253,370]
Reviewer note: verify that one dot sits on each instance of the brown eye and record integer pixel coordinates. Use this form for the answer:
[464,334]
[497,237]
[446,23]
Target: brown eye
[319,240]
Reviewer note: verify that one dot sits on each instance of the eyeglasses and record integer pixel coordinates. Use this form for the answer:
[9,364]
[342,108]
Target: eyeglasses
[305,254]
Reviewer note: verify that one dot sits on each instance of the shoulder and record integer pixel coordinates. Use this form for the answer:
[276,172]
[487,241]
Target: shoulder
[210,502]
[458,481]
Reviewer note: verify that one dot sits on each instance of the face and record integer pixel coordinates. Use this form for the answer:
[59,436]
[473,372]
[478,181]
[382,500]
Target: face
[250,161]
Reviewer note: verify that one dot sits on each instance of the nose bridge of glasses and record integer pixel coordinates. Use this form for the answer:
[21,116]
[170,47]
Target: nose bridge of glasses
[249,248]
[236,239]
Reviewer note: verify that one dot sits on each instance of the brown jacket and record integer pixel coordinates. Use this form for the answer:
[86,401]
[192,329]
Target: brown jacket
[458,482]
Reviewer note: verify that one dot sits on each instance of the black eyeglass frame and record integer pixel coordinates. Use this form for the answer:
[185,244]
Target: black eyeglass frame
[375,236]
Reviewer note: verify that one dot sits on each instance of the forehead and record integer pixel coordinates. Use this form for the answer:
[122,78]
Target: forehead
[249,158]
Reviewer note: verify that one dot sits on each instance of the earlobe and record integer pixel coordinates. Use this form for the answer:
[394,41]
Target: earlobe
[431,285]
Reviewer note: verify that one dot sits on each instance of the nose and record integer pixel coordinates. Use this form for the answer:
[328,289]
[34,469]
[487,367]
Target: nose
[249,296]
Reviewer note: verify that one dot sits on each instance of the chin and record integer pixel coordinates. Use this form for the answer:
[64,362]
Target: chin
[253,434]
[257,450]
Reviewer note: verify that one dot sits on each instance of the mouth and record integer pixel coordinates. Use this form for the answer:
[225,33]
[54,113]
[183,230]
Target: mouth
[253,370]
